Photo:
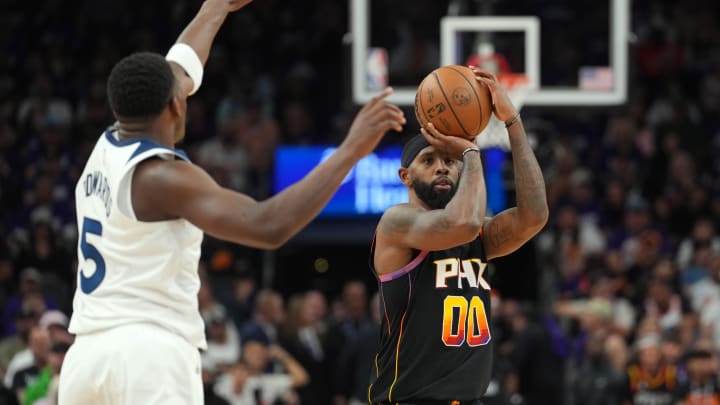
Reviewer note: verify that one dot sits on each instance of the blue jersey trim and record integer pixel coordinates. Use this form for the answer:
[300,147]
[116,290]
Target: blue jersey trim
[144,145]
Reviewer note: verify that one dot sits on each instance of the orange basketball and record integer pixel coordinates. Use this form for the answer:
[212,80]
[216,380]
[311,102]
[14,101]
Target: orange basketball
[453,101]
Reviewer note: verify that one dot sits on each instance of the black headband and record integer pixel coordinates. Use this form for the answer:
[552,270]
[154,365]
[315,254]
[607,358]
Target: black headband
[412,147]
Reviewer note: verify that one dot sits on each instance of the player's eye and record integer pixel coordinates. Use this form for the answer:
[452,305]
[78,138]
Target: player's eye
[449,161]
[428,160]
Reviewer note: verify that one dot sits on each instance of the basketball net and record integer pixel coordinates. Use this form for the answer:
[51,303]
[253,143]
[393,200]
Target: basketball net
[495,135]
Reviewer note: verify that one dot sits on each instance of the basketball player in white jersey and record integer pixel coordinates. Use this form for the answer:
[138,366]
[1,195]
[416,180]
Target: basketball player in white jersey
[142,208]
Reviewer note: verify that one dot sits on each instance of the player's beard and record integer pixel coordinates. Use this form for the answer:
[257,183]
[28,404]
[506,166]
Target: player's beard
[427,193]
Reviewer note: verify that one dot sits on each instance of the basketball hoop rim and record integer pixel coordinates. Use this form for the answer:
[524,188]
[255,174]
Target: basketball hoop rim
[512,80]
[517,86]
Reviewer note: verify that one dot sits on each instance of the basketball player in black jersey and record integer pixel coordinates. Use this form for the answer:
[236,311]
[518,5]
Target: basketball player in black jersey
[430,255]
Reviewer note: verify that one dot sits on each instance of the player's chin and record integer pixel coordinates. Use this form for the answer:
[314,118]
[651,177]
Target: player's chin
[447,195]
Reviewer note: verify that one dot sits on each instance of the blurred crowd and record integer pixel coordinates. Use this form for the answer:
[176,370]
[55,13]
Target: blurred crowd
[629,282]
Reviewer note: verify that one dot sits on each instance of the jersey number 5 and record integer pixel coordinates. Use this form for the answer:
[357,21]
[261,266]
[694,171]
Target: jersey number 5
[90,252]
[454,327]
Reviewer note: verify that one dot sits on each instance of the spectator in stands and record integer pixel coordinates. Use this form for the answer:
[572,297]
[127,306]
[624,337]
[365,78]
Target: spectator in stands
[317,342]
[672,349]
[56,324]
[636,221]
[268,315]
[703,235]
[260,135]
[240,305]
[246,383]
[702,384]
[46,253]
[225,158]
[29,293]
[603,301]
[598,382]
[209,306]
[357,358]
[538,364]
[44,391]
[649,380]
[304,345]
[707,292]
[25,320]
[683,193]
[616,351]
[354,300]
[222,340]
[568,244]
[613,206]
[39,346]
[298,125]
[7,271]
[663,303]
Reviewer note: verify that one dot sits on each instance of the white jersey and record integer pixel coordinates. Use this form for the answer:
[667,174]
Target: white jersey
[132,271]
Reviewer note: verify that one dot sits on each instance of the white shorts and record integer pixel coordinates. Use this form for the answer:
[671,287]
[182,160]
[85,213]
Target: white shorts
[131,364]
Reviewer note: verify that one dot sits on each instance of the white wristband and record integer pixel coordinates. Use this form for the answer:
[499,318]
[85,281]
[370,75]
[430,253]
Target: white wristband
[470,149]
[187,58]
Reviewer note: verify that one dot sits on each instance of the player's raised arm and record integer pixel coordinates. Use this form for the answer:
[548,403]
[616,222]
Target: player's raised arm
[512,228]
[168,190]
[192,48]
[458,222]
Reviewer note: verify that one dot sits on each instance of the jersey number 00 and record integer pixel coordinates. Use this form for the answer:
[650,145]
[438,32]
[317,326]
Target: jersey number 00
[464,321]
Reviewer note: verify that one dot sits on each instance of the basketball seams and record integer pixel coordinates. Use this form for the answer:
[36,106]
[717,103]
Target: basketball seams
[474,89]
[442,90]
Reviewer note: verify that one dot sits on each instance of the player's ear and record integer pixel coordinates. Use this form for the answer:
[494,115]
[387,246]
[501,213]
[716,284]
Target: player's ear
[404,175]
[178,99]
[175,106]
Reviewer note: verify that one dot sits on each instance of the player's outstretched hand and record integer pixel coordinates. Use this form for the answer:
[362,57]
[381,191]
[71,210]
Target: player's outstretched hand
[502,106]
[372,122]
[454,145]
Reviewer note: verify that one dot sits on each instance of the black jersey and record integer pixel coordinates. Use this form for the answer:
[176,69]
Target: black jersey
[435,336]
[644,388]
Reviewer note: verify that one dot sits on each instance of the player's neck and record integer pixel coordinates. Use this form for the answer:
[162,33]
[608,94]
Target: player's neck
[155,130]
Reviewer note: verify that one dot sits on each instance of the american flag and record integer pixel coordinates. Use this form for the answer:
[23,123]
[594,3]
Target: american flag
[596,78]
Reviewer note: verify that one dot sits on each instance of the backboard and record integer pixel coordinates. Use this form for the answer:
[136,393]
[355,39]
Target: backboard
[573,53]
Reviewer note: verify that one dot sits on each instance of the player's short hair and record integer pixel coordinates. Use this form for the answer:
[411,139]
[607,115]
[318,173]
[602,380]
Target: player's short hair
[140,85]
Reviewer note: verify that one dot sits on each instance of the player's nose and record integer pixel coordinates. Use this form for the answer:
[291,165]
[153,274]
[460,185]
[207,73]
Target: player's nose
[441,167]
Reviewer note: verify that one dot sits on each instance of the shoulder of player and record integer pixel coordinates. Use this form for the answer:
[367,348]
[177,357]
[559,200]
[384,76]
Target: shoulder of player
[398,218]
[401,210]
[169,176]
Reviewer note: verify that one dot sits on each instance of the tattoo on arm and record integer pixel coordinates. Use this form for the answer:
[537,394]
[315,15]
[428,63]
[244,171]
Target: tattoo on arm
[529,182]
[397,223]
[471,172]
[472,165]
[442,225]
[530,187]
[499,234]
